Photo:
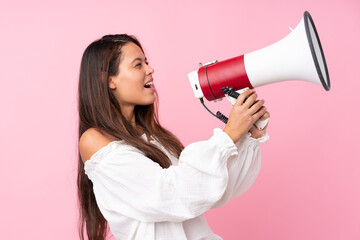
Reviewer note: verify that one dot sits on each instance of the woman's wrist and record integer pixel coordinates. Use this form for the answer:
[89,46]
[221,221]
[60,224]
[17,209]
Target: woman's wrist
[256,135]
[234,137]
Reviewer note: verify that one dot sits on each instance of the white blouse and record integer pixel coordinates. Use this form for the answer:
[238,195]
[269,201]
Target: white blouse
[141,200]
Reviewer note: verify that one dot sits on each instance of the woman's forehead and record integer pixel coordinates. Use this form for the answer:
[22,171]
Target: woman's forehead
[132,51]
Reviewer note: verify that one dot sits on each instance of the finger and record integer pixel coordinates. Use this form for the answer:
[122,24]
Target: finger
[252,129]
[256,106]
[260,113]
[241,99]
[249,101]
[265,116]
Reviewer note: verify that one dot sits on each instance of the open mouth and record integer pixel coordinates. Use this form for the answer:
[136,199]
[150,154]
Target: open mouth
[149,85]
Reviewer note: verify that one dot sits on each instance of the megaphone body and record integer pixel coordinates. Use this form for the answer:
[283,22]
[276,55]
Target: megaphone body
[298,56]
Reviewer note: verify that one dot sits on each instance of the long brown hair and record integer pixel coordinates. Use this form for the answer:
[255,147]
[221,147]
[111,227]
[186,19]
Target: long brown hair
[99,109]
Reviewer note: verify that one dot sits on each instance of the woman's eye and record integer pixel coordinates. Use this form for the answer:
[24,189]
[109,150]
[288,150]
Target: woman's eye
[140,64]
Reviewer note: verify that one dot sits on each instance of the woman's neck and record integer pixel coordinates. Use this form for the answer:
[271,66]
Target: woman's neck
[129,113]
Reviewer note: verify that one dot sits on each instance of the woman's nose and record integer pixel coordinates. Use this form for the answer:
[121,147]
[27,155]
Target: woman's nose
[149,70]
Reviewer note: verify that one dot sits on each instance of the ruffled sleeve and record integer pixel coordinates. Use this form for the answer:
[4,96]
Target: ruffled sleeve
[128,183]
[243,168]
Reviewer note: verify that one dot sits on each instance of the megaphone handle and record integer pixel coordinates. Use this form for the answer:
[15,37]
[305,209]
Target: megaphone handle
[232,95]
[261,124]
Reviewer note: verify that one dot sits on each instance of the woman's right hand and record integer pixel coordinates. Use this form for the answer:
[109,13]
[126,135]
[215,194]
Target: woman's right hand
[245,112]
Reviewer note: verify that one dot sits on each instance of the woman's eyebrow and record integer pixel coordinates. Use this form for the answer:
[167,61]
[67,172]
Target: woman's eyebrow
[140,59]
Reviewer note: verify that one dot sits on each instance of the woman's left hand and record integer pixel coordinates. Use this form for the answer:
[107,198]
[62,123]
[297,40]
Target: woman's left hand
[257,133]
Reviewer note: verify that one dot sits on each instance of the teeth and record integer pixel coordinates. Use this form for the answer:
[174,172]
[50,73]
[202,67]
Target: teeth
[149,83]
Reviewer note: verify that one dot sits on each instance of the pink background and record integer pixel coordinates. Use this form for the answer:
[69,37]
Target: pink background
[309,184]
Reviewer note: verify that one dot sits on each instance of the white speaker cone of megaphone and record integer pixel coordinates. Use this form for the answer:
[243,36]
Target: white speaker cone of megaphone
[298,56]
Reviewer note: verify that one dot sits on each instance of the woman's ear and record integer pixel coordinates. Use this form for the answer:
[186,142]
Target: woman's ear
[112,83]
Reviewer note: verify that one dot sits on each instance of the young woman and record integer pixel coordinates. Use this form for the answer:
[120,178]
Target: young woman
[135,176]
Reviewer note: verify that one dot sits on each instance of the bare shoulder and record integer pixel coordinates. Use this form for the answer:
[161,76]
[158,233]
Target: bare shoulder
[91,141]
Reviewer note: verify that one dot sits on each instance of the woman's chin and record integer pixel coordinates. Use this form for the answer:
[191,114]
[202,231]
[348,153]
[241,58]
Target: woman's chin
[148,101]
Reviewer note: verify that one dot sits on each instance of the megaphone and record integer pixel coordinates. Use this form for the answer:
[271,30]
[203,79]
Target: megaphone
[298,56]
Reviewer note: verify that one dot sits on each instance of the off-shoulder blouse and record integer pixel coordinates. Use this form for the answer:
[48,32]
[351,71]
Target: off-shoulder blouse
[141,200]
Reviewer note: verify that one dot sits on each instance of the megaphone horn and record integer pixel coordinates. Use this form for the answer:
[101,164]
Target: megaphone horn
[298,56]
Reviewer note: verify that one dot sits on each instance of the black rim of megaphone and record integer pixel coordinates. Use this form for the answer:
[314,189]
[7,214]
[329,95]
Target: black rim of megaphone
[325,84]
